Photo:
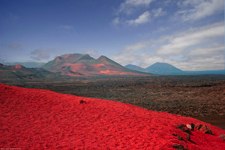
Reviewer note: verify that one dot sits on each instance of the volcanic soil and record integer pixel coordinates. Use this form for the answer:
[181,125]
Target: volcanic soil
[42,119]
[201,97]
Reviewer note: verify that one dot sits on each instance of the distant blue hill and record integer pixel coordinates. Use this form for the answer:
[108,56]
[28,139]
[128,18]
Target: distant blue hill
[136,68]
[163,69]
[168,69]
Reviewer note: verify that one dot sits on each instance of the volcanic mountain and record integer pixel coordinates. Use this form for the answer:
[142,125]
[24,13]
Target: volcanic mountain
[85,65]
[41,119]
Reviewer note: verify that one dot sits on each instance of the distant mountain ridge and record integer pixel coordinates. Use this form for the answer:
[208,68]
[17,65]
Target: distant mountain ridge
[85,65]
[19,72]
[134,67]
[26,64]
[168,69]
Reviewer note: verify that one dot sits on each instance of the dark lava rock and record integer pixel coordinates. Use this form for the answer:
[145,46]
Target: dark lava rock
[178,137]
[184,128]
[204,129]
[83,102]
[192,126]
[179,147]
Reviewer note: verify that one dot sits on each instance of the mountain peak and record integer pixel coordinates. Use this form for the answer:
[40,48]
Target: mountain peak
[102,57]
[106,60]
[161,63]
[163,68]
[164,65]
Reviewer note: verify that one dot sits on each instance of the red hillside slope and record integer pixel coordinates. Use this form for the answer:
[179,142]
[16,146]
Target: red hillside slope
[41,119]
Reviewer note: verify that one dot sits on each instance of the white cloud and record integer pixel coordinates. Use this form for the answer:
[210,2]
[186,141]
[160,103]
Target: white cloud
[140,53]
[129,5]
[158,12]
[197,49]
[146,17]
[142,19]
[207,58]
[136,46]
[201,52]
[116,21]
[129,9]
[180,42]
[40,54]
[198,9]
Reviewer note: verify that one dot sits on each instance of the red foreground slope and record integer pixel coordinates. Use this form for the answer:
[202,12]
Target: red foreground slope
[41,119]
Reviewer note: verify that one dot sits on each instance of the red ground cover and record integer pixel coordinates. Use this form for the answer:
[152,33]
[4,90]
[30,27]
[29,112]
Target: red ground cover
[42,119]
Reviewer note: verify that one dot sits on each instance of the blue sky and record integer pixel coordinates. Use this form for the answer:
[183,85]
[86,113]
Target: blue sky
[186,33]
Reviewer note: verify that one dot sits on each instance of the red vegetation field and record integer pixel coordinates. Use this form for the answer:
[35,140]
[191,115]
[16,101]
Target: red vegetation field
[41,119]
